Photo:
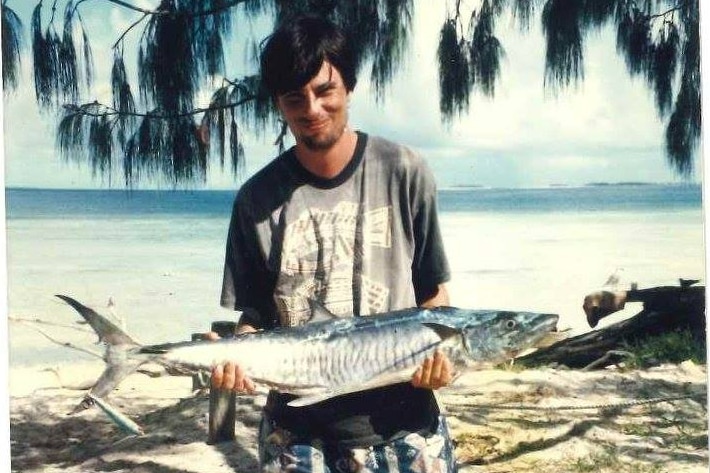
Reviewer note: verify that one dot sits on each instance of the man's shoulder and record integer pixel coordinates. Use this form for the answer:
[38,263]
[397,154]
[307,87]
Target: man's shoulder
[395,156]
[265,189]
[274,173]
[381,145]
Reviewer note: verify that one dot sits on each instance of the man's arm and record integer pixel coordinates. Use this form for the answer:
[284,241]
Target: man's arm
[439,298]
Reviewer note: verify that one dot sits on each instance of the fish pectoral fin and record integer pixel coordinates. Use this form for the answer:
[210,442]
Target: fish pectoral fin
[443,331]
[319,312]
[377,382]
[311,399]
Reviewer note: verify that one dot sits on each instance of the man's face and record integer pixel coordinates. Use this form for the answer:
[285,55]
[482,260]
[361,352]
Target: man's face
[317,113]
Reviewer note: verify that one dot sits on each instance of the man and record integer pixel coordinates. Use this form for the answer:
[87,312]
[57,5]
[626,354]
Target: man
[347,220]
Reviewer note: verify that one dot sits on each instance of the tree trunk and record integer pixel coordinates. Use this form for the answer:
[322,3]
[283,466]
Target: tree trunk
[665,309]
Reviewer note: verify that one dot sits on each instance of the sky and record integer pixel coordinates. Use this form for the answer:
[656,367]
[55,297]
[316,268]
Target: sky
[605,129]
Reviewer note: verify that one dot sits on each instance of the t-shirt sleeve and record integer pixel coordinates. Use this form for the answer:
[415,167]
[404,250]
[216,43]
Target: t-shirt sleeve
[430,267]
[245,284]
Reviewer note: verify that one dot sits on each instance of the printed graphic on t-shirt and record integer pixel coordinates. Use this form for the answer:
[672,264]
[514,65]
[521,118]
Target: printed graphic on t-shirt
[318,262]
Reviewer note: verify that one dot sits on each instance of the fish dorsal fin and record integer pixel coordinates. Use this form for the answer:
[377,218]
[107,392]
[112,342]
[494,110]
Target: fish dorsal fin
[443,331]
[155,349]
[319,313]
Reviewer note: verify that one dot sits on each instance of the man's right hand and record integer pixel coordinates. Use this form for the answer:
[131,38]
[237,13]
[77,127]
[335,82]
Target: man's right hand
[229,375]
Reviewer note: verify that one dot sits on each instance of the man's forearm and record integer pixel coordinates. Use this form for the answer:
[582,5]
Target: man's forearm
[439,298]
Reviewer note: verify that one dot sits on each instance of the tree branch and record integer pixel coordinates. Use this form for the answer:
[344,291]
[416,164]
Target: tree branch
[135,8]
[78,387]
[60,343]
[125,32]
[110,111]
[44,322]
[664,14]
[147,13]
[226,6]
[54,11]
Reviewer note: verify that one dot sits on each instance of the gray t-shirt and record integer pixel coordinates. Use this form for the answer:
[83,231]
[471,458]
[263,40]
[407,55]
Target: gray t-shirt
[362,243]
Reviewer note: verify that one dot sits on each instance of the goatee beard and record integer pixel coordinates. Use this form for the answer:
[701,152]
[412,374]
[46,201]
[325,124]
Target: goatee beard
[315,144]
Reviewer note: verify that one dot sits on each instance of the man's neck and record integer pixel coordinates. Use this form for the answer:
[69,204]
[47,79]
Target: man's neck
[328,163]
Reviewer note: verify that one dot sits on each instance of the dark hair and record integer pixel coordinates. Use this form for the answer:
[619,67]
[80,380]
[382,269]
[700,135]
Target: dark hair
[295,52]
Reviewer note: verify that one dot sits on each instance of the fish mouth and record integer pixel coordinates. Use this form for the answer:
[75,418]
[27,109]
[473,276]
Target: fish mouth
[542,330]
[548,323]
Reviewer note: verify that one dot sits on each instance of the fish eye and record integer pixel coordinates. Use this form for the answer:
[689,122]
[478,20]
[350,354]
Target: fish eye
[510,324]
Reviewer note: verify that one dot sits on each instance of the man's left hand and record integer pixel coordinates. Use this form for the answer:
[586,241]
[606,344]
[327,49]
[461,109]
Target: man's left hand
[435,372]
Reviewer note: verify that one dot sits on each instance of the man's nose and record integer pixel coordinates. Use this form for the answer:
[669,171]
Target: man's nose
[312,105]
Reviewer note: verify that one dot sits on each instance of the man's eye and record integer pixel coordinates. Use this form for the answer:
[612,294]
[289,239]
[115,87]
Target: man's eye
[293,101]
[327,92]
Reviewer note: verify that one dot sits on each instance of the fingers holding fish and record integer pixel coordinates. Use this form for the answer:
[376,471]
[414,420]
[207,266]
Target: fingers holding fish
[229,382]
[211,336]
[242,383]
[217,377]
[231,377]
[441,374]
[434,373]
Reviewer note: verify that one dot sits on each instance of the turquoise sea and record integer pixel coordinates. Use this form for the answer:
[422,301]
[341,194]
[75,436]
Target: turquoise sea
[158,254]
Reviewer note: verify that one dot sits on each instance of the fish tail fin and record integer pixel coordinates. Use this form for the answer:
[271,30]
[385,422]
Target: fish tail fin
[122,353]
[107,331]
[118,367]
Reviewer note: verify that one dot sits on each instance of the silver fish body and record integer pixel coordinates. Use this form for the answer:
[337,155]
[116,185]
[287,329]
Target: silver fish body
[320,363]
[336,356]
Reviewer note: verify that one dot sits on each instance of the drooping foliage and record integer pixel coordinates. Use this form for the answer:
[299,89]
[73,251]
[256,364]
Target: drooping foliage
[57,64]
[658,40]
[12,44]
[152,126]
[155,128]
[469,57]
[563,34]
[455,77]
[486,50]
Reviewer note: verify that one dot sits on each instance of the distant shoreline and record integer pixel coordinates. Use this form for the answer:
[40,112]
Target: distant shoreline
[623,183]
[441,187]
[573,186]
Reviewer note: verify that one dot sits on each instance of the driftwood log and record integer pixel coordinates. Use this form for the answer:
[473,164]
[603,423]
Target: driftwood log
[665,309]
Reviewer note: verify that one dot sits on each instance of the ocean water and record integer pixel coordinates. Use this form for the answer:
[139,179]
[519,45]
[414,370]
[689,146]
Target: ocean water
[158,254]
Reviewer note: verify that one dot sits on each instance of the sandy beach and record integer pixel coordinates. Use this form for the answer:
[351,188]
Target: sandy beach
[564,421]
[162,270]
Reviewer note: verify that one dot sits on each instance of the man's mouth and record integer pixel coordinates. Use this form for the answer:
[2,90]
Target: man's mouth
[314,125]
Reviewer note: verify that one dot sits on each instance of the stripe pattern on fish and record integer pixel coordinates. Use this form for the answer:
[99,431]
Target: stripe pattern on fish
[334,356]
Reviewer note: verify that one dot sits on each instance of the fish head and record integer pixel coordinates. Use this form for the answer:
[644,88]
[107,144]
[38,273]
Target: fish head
[502,335]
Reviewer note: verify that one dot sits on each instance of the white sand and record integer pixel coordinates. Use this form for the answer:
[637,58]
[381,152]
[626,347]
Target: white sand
[660,437]
[544,262]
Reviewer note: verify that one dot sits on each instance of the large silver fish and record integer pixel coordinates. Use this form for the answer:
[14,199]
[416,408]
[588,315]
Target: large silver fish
[333,356]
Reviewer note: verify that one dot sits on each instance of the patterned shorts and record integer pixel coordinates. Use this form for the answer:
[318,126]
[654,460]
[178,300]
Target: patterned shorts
[413,453]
